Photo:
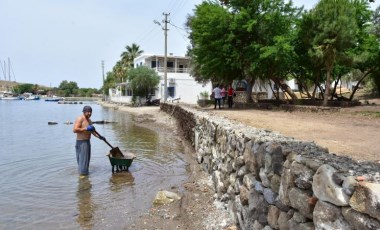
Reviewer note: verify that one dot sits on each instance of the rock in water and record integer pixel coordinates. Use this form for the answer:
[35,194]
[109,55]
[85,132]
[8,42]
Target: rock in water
[165,197]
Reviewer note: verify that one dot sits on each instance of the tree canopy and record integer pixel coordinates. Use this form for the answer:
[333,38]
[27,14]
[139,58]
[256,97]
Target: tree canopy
[120,72]
[68,88]
[242,40]
[142,80]
[275,41]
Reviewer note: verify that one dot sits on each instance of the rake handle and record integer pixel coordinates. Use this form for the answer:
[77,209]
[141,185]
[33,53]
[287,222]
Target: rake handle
[103,139]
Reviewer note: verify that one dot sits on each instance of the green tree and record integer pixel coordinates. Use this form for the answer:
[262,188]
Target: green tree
[211,49]
[243,40]
[122,67]
[376,32]
[376,22]
[87,92]
[336,30]
[366,52]
[109,82]
[128,56]
[24,88]
[142,79]
[275,35]
[306,70]
[119,71]
[68,88]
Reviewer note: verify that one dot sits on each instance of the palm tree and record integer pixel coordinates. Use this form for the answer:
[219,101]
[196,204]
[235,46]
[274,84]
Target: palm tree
[130,54]
[119,71]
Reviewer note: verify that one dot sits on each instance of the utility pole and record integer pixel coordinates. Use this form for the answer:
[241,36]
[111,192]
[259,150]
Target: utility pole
[165,28]
[104,95]
[166,57]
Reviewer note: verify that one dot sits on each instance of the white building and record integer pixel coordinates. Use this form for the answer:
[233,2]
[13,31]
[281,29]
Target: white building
[180,84]
[263,89]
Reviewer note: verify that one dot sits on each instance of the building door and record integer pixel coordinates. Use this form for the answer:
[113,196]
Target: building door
[171,91]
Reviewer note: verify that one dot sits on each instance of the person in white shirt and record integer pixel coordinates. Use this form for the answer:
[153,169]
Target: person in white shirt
[217,95]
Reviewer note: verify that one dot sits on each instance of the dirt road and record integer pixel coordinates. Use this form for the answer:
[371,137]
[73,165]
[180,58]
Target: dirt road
[351,131]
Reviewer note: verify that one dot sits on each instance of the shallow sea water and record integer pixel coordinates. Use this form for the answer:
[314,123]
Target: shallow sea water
[40,187]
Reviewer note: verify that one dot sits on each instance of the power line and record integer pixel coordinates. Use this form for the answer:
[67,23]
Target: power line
[178,27]
[184,36]
[146,36]
[174,6]
[179,6]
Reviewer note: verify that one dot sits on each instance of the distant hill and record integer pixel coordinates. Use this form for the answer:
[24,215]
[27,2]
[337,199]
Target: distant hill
[4,85]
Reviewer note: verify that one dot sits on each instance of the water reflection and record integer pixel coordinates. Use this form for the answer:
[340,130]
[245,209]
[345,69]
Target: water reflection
[119,180]
[85,206]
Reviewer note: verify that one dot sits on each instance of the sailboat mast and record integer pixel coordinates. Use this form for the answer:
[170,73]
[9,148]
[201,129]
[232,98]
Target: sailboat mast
[3,70]
[9,69]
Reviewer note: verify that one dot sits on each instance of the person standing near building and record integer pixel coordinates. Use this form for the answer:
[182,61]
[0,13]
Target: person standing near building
[223,92]
[217,95]
[230,96]
[83,128]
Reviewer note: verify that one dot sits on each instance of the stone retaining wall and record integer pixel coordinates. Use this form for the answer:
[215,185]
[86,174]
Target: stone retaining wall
[268,181]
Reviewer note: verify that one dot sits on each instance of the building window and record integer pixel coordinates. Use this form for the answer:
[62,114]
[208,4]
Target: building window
[170,64]
[154,64]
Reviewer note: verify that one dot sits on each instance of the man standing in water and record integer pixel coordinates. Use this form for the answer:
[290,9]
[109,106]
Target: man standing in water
[83,128]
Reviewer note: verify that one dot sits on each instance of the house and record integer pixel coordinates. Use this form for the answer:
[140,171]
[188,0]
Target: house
[261,89]
[181,85]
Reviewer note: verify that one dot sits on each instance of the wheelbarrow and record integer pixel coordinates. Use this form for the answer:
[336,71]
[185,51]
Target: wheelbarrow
[117,159]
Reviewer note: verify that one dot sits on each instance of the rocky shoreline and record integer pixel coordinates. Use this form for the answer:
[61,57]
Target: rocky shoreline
[196,209]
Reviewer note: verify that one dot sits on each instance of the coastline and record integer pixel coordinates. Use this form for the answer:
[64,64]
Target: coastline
[144,113]
[196,209]
[352,132]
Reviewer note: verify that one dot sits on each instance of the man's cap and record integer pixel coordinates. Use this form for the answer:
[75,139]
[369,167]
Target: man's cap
[87,109]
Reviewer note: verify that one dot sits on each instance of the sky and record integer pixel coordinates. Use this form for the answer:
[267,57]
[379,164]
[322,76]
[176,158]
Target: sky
[48,41]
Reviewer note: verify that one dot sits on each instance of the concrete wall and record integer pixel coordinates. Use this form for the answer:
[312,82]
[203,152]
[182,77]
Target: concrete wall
[268,181]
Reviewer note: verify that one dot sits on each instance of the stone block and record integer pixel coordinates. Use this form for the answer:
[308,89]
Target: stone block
[359,220]
[303,176]
[287,183]
[299,200]
[329,216]
[325,189]
[366,199]
[275,183]
[273,215]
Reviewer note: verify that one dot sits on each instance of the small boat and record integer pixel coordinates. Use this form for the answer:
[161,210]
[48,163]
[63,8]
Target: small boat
[29,97]
[55,99]
[9,96]
[9,93]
